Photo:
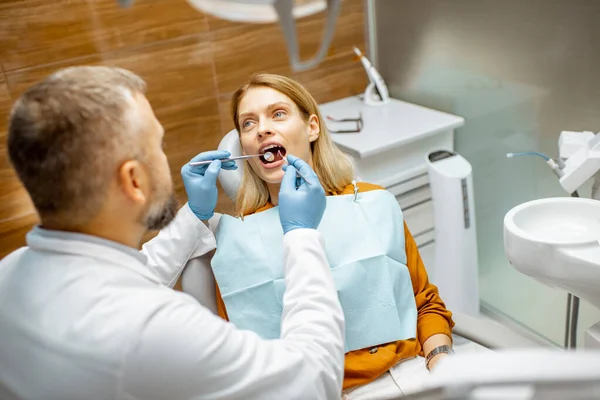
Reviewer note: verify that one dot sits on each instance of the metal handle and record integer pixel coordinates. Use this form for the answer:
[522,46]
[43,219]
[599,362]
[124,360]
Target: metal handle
[197,163]
[284,9]
[298,174]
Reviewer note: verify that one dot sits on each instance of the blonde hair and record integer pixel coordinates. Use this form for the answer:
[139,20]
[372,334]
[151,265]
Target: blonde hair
[332,166]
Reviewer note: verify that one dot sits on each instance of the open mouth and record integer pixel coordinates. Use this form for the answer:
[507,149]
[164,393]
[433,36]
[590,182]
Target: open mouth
[276,154]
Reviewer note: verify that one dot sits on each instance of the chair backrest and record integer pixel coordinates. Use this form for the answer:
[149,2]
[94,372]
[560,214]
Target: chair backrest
[230,180]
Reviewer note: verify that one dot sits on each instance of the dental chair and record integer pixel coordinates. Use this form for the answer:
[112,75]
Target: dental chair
[492,361]
[484,333]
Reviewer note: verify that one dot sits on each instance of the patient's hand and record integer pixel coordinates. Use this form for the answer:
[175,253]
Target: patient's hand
[436,359]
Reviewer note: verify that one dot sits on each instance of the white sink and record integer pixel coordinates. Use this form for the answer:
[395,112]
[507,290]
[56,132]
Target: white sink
[556,241]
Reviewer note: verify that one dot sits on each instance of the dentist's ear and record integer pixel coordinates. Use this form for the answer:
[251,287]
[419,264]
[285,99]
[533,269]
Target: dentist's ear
[314,128]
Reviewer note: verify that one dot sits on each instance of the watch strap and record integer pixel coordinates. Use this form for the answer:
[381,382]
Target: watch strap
[438,350]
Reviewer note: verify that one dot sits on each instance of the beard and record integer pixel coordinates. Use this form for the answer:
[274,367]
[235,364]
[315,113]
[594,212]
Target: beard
[159,216]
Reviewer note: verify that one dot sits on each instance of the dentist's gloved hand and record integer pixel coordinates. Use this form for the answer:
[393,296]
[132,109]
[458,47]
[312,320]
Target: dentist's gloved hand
[300,205]
[201,182]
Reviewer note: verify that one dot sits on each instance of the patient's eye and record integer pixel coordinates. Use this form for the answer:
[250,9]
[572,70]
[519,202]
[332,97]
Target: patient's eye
[279,114]
[246,124]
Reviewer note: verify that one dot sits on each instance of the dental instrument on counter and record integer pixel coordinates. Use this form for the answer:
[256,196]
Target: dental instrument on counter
[358,121]
[376,93]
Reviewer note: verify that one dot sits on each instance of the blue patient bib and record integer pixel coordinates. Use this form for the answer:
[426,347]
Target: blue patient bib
[365,246]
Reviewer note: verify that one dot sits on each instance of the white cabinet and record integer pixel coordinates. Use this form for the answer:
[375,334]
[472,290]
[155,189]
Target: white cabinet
[390,151]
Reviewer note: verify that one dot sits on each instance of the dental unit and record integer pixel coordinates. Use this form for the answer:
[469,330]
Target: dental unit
[557,240]
[577,162]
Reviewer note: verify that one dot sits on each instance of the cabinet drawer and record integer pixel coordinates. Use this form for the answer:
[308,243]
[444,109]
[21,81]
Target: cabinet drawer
[425,237]
[408,185]
[414,197]
[419,217]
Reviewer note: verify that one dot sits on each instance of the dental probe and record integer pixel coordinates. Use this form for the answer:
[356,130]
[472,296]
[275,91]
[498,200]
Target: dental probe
[297,172]
[268,156]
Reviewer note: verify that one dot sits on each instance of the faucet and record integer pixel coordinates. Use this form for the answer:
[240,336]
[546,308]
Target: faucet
[578,161]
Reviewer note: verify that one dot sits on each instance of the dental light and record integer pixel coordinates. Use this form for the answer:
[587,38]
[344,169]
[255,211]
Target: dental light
[270,11]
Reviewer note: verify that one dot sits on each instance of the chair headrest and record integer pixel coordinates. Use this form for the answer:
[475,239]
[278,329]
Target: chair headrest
[230,180]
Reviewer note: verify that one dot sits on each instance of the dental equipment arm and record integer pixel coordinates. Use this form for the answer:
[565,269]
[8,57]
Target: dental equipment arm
[582,153]
[578,161]
[515,375]
[490,334]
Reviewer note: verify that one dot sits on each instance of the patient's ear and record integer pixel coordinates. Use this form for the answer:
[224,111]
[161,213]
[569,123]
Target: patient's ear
[314,129]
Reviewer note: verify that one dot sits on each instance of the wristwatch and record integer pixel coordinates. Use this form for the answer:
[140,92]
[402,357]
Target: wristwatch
[438,350]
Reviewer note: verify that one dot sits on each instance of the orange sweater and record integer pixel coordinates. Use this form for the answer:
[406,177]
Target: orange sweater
[362,366]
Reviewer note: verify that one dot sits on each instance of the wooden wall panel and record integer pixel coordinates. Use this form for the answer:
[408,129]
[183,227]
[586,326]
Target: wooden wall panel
[177,71]
[191,62]
[19,80]
[38,32]
[5,106]
[17,214]
[148,21]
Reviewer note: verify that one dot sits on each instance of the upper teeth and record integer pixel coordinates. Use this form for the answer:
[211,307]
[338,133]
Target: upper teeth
[271,146]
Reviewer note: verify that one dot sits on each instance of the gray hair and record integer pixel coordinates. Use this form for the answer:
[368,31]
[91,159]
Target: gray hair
[66,135]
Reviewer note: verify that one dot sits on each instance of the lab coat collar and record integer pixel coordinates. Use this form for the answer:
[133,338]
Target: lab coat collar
[80,244]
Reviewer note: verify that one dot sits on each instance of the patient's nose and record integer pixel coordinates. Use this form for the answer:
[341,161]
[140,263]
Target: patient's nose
[264,129]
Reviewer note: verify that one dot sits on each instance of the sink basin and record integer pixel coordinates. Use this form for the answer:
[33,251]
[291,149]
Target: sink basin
[556,241]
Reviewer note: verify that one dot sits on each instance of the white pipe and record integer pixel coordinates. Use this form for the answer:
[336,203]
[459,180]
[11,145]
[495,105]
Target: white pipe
[371,32]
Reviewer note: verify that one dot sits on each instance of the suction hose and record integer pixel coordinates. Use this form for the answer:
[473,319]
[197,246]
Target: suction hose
[556,167]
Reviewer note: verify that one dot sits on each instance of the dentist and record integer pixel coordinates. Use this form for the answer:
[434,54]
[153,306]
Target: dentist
[85,315]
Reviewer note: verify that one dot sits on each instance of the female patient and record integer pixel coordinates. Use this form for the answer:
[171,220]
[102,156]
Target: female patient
[395,318]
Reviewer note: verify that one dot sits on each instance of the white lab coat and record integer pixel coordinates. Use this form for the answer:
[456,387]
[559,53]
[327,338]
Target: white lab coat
[84,318]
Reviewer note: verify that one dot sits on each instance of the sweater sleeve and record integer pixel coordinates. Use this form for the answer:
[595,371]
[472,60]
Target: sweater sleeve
[433,317]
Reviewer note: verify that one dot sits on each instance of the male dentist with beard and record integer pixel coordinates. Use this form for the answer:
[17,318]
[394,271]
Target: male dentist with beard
[85,315]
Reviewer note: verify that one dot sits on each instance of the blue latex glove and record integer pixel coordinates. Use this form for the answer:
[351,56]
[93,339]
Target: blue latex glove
[201,182]
[300,205]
